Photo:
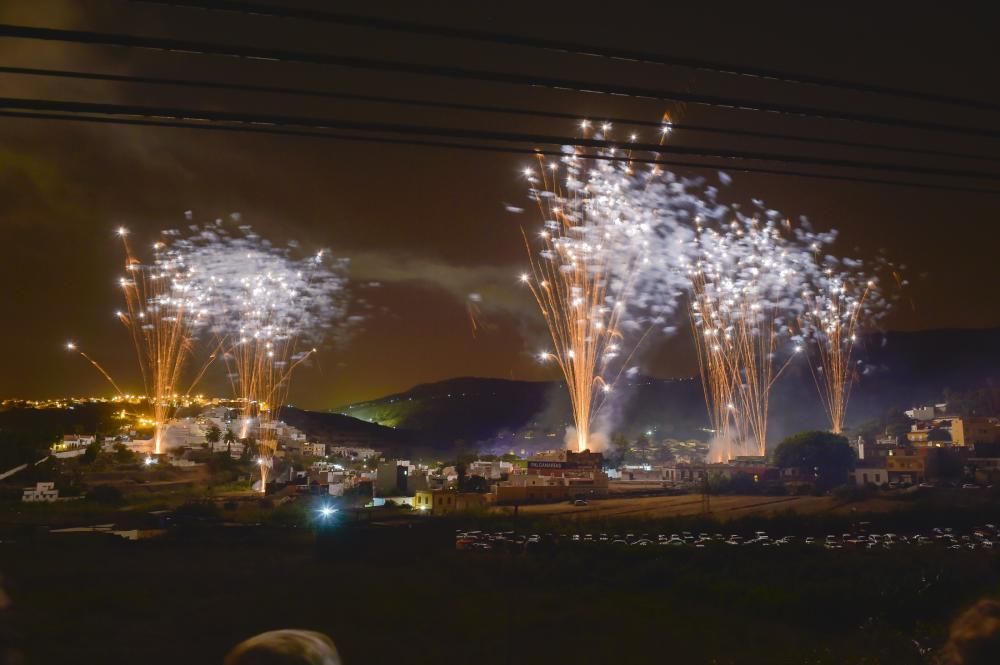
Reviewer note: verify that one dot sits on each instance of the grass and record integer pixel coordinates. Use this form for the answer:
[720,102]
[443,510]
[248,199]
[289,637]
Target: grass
[405,595]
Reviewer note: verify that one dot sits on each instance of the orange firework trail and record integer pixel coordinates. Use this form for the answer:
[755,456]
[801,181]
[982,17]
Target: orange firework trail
[593,243]
[162,310]
[739,285]
[838,305]
[71,346]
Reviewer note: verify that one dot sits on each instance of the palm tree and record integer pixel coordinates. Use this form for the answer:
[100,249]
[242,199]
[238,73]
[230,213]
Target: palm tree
[230,439]
[213,435]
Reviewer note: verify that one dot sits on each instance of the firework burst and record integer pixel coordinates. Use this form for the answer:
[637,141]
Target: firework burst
[267,310]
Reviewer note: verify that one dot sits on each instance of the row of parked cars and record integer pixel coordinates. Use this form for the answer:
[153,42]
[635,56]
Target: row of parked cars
[982,538]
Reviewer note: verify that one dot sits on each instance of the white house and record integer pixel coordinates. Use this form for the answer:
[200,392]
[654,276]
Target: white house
[315,449]
[490,470]
[352,452]
[235,448]
[40,492]
[73,442]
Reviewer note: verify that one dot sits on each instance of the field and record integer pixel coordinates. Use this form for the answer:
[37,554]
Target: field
[390,586]
[405,594]
[656,507]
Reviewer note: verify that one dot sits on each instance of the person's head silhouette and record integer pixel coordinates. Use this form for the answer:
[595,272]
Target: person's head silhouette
[285,647]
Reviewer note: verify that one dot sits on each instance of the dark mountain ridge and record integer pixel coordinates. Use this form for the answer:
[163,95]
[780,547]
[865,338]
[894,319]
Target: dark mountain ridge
[896,370]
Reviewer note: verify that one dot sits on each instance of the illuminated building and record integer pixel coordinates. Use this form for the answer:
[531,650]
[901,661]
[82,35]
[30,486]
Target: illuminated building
[444,502]
[556,476]
[314,449]
[961,431]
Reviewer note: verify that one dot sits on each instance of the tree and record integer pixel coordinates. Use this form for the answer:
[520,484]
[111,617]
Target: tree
[230,438]
[222,463]
[477,484]
[943,464]
[23,447]
[823,456]
[642,448]
[462,463]
[90,454]
[249,445]
[620,448]
[123,454]
[213,435]
[106,494]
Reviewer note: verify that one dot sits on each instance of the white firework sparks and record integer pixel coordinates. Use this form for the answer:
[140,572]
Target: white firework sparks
[268,310]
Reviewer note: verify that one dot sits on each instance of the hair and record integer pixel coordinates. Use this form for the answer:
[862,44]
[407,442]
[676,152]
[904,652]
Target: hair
[285,647]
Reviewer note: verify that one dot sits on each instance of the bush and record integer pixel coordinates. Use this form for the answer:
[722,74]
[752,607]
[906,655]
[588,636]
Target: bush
[803,489]
[852,493]
[290,513]
[107,494]
[196,511]
[822,455]
[776,490]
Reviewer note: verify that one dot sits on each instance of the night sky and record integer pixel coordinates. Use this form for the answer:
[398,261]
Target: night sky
[429,225]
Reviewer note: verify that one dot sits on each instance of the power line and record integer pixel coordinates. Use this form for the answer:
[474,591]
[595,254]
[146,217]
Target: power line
[562,46]
[32,115]
[479,108]
[449,71]
[465,134]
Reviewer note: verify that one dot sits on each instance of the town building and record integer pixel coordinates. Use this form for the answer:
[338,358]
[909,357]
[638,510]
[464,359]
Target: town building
[926,412]
[352,452]
[73,442]
[314,449]
[876,475]
[685,473]
[41,492]
[490,470]
[531,488]
[905,467]
[960,431]
[235,449]
[446,501]
[984,463]
[391,478]
[642,472]
[579,474]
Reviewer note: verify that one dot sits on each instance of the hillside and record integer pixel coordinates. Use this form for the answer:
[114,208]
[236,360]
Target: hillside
[344,430]
[900,369]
